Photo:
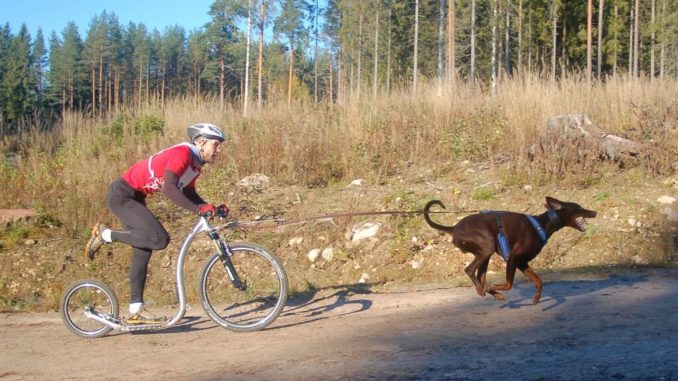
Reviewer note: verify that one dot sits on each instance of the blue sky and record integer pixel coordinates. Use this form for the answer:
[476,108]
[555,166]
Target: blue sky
[53,15]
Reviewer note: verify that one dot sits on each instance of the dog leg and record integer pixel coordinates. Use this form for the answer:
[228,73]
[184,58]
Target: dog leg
[482,274]
[538,284]
[472,270]
[510,276]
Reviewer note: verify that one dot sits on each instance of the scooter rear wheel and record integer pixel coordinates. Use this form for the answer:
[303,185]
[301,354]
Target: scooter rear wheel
[88,295]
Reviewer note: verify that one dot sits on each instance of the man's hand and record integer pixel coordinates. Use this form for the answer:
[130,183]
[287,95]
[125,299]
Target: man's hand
[207,210]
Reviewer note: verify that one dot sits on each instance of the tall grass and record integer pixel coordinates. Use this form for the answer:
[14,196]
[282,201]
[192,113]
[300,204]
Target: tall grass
[65,172]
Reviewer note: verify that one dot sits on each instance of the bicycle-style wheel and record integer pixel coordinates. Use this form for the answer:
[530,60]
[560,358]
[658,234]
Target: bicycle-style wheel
[88,295]
[258,301]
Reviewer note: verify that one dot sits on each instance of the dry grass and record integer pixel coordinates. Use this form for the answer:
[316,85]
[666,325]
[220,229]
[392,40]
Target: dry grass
[65,172]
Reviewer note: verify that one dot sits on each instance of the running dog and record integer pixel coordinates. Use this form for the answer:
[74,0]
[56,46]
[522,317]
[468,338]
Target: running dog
[517,237]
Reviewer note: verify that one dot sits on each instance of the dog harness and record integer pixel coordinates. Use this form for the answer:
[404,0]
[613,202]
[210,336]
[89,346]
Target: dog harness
[504,248]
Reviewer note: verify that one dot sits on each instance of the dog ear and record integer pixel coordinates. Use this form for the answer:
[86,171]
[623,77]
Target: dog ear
[553,203]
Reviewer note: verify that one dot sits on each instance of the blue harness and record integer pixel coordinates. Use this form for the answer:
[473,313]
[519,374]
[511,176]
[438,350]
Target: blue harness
[504,248]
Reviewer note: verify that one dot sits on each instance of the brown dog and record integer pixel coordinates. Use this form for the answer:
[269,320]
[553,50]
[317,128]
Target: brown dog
[517,237]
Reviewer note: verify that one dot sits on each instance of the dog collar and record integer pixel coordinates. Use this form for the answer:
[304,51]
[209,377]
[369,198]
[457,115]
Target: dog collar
[538,228]
[553,216]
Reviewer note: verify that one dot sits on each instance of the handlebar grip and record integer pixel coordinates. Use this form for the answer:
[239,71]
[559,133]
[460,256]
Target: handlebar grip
[222,211]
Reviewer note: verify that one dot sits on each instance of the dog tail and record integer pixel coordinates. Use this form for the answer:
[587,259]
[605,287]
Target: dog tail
[428,219]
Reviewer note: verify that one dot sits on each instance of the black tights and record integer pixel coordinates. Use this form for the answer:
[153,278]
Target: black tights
[142,231]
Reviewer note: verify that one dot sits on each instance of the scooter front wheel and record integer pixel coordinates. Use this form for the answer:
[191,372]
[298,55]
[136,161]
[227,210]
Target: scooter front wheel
[254,299]
[88,296]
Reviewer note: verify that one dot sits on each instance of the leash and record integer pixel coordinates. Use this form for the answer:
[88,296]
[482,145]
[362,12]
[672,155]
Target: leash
[279,222]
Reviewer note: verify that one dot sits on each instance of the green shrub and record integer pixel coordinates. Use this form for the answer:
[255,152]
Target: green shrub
[148,126]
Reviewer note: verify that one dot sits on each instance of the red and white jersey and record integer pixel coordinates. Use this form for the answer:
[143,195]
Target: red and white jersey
[148,175]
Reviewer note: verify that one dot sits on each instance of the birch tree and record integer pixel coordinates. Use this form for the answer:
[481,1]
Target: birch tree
[601,18]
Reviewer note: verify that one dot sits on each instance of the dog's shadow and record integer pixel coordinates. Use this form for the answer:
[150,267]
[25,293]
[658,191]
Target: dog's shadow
[557,292]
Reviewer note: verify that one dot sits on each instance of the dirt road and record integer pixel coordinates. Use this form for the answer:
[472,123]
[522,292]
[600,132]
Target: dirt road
[621,325]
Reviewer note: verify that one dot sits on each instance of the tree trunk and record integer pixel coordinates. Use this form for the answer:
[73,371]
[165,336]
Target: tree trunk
[529,40]
[94,90]
[563,51]
[636,39]
[616,57]
[116,92]
[601,12]
[315,56]
[101,81]
[473,44]
[493,59]
[589,39]
[376,55]
[441,43]
[451,46]
[631,39]
[141,85]
[291,74]
[109,90]
[162,80]
[388,52]
[331,93]
[358,82]
[416,47]
[520,36]
[222,83]
[340,79]
[507,40]
[652,41]
[554,33]
[260,59]
[662,53]
[246,91]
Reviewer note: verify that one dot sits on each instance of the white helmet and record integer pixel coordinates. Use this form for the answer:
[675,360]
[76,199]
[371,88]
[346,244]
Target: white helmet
[207,130]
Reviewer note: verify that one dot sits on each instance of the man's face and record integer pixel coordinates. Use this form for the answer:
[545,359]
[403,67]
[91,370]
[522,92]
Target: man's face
[209,150]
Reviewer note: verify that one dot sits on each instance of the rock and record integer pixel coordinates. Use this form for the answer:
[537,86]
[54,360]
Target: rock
[578,131]
[357,183]
[666,200]
[671,214]
[527,188]
[570,126]
[313,255]
[612,146]
[638,260]
[415,264]
[364,278]
[366,230]
[11,215]
[328,253]
[256,182]
[30,242]
[295,241]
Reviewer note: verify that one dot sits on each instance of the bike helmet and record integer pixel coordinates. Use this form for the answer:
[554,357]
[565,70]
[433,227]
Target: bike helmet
[207,130]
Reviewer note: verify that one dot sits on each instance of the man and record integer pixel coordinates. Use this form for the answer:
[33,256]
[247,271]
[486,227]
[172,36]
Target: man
[173,170]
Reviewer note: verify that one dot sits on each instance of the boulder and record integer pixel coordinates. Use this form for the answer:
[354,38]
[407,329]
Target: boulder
[577,130]
[256,182]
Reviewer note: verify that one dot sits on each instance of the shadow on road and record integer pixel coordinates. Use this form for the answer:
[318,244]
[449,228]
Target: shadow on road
[327,302]
[187,324]
[556,293]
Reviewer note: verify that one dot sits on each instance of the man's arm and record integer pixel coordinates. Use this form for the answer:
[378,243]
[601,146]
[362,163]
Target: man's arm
[172,191]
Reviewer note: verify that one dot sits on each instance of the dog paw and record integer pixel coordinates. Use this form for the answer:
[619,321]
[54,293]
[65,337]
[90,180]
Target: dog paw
[536,298]
[499,296]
